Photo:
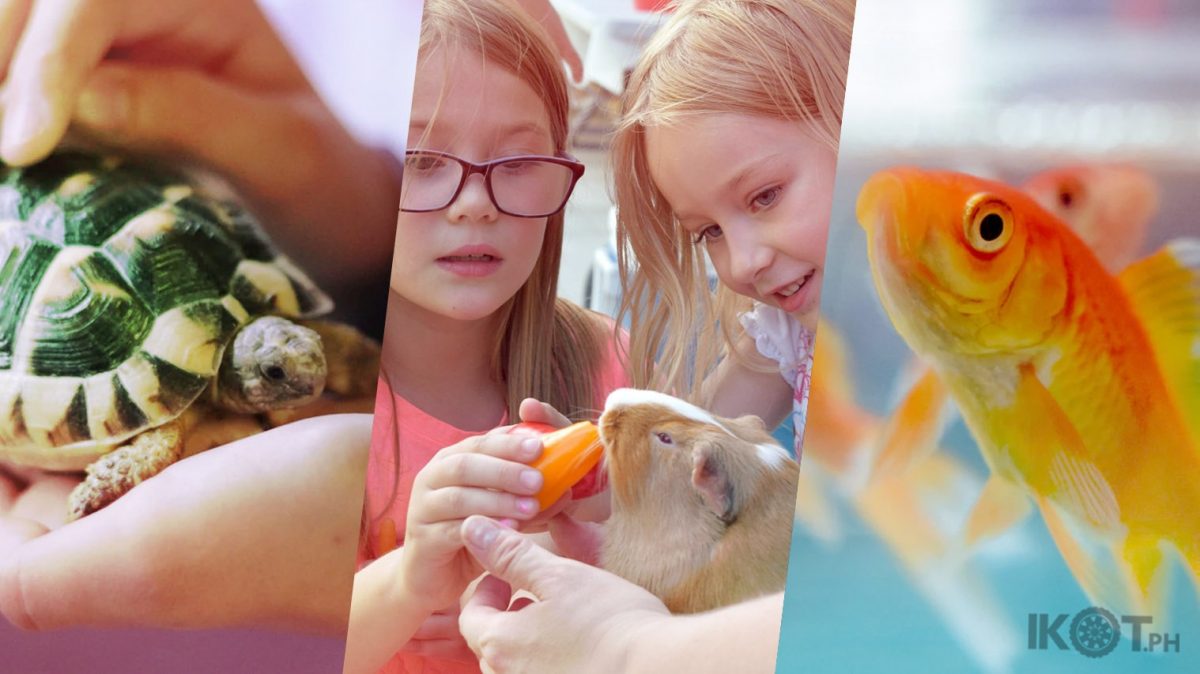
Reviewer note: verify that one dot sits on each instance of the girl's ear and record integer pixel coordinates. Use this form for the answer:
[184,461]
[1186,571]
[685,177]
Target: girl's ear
[711,478]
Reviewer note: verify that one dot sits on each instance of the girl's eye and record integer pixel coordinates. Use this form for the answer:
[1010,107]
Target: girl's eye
[664,438]
[709,233]
[765,198]
[423,162]
[517,166]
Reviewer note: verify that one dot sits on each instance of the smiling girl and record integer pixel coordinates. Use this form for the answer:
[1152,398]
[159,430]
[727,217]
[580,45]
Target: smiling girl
[474,326]
[737,164]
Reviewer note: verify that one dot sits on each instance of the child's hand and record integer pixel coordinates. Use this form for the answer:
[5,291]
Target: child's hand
[438,637]
[592,508]
[482,475]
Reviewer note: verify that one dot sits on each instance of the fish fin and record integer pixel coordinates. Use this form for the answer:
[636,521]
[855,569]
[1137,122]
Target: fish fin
[915,426]
[1053,459]
[1001,506]
[906,511]
[1164,289]
[1103,583]
[833,363]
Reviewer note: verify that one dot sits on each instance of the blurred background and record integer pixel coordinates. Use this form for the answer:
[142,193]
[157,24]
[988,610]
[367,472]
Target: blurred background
[1003,89]
[609,35]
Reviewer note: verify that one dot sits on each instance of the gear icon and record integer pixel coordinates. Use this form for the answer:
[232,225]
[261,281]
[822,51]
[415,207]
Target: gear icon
[1095,632]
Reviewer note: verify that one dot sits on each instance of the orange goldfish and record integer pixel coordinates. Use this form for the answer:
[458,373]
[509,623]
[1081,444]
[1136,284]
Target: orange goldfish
[1082,389]
[1109,206]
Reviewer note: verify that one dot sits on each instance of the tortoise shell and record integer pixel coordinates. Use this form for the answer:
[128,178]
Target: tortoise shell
[121,283]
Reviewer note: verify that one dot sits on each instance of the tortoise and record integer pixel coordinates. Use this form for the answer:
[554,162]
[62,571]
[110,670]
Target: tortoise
[136,302]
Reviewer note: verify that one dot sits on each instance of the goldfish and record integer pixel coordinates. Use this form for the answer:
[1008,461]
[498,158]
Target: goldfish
[1080,387]
[1110,206]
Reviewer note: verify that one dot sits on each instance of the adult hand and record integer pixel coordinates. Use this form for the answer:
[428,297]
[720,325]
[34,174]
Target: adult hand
[576,605]
[587,620]
[208,80]
[259,532]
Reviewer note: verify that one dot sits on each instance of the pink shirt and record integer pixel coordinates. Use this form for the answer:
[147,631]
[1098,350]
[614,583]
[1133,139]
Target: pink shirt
[421,436]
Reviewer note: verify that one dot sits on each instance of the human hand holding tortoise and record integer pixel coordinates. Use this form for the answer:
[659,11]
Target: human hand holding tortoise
[178,551]
[209,81]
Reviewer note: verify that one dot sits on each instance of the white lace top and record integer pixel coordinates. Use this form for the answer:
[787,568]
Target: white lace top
[780,337]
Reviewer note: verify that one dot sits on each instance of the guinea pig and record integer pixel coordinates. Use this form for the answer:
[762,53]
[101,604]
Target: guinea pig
[701,505]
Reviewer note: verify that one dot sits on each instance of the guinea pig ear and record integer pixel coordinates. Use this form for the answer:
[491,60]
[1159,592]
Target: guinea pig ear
[752,421]
[711,479]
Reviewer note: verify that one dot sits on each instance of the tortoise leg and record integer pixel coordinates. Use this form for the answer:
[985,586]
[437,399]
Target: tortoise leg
[218,428]
[120,470]
[351,359]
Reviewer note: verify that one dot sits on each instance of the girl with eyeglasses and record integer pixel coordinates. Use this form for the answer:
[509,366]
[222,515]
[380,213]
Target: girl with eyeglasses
[474,327]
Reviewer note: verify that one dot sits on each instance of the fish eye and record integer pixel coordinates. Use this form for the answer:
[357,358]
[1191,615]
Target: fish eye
[988,224]
[1066,197]
[1069,193]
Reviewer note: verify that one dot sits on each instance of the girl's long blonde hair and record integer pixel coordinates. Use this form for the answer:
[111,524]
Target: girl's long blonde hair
[783,59]
[547,348]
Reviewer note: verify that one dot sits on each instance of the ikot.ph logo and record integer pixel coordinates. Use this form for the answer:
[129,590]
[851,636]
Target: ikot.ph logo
[1095,632]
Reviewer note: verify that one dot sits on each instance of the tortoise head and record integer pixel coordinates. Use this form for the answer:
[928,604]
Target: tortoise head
[272,363]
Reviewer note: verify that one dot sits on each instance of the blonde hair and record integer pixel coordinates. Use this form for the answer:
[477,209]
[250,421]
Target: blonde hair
[783,59]
[547,348]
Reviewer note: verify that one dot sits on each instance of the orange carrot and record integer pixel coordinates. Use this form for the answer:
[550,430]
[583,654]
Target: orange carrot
[568,456]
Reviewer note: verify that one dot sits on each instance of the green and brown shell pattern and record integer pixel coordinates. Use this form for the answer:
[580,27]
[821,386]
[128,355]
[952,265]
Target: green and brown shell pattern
[121,283]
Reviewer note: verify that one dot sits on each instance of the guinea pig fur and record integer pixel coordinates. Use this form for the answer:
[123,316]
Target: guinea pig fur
[701,505]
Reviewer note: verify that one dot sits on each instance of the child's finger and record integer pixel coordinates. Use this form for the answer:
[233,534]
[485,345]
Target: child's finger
[62,42]
[513,447]
[538,524]
[532,409]
[457,503]
[481,470]
[578,540]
